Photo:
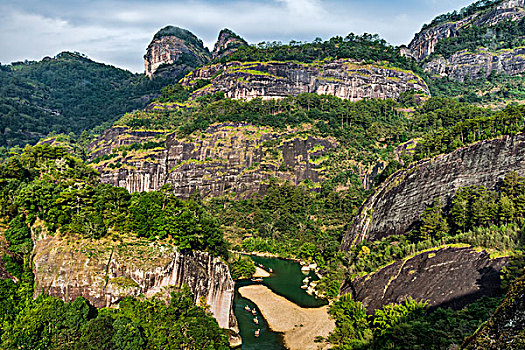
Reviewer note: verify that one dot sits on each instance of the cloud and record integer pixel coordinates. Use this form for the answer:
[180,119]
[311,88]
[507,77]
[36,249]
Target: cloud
[118,31]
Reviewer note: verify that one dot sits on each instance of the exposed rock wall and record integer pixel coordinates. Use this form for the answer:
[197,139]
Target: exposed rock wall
[227,43]
[447,277]
[505,329]
[479,64]
[104,272]
[342,78]
[230,158]
[424,43]
[398,203]
[176,47]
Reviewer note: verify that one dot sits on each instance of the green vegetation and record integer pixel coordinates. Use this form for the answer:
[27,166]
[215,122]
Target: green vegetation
[242,267]
[408,325]
[367,47]
[48,184]
[68,93]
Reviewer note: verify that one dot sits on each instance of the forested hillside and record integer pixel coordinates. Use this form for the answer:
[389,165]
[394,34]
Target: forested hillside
[66,94]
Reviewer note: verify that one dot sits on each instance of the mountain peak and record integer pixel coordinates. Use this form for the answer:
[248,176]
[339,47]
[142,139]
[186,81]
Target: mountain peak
[227,43]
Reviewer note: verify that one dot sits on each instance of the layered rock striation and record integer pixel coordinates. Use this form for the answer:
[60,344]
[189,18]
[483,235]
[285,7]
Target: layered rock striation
[104,272]
[424,43]
[447,277]
[227,43]
[345,79]
[227,159]
[173,52]
[397,204]
[479,64]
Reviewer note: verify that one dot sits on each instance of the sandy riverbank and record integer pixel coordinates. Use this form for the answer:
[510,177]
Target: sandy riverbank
[260,272]
[299,325]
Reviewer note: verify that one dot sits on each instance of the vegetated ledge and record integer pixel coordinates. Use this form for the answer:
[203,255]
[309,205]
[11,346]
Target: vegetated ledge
[343,78]
[445,277]
[396,206]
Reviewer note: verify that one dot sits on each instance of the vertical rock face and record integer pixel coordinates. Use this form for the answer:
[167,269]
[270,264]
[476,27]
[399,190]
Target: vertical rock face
[104,272]
[173,52]
[397,204]
[478,64]
[424,43]
[447,277]
[345,79]
[231,158]
[227,43]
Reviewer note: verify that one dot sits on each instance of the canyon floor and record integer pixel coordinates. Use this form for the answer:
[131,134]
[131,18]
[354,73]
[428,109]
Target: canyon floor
[300,326]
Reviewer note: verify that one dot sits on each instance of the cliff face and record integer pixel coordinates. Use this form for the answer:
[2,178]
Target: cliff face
[479,64]
[227,43]
[342,78]
[233,159]
[104,272]
[398,203]
[424,43]
[447,277]
[177,48]
[505,328]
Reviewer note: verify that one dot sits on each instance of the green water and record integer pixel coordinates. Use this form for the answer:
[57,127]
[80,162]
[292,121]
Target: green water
[286,280]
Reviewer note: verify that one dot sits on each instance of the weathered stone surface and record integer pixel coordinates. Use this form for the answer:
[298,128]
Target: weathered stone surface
[229,158]
[447,277]
[3,251]
[424,43]
[177,48]
[506,328]
[227,43]
[104,272]
[479,64]
[398,203]
[342,78]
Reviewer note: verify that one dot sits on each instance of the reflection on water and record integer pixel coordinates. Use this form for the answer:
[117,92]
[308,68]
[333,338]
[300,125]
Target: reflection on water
[286,280]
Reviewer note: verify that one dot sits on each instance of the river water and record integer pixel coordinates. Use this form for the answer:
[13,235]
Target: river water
[286,280]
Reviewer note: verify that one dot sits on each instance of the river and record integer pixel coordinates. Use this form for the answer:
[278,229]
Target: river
[286,280]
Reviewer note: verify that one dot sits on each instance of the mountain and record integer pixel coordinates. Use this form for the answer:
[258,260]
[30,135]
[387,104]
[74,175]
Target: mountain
[65,94]
[173,52]
[227,43]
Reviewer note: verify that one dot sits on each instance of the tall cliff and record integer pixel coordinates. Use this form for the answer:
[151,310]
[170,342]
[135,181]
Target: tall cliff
[342,78]
[227,43]
[505,329]
[397,204]
[424,42]
[479,64]
[105,271]
[445,277]
[173,52]
[229,158]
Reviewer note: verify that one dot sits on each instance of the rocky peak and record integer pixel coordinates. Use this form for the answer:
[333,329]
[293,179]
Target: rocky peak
[227,43]
[424,42]
[173,52]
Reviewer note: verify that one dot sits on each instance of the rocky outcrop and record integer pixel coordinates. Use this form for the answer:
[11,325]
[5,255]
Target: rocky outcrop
[424,43]
[397,204]
[505,329]
[227,43]
[173,52]
[345,79]
[230,158]
[478,64]
[104,272]
[446,277]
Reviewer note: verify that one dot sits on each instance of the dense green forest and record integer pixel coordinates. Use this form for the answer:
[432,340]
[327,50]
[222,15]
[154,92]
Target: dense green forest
[66,94]
[476,7]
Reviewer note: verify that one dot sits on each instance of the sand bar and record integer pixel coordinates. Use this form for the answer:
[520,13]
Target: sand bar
[286,317]
[260,273]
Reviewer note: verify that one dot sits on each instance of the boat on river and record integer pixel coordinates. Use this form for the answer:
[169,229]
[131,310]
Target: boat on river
[247,308]
[257,333]
[257,279]
[254,312]
[255,320]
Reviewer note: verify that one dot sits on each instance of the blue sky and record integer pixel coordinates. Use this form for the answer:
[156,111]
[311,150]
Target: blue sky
[117,32]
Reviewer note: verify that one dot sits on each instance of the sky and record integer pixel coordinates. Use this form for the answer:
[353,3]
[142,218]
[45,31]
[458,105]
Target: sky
[117,32]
